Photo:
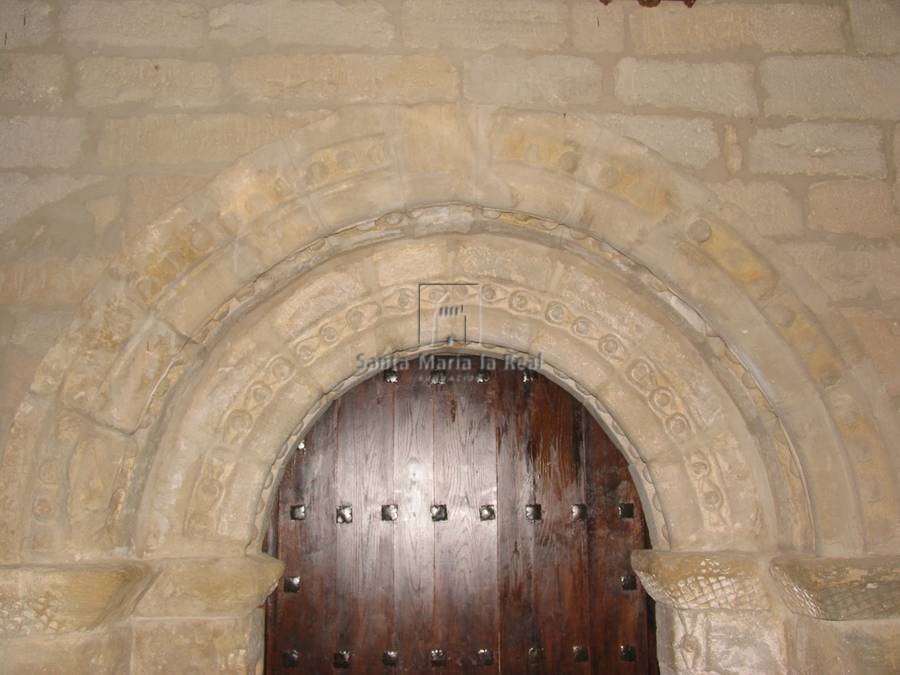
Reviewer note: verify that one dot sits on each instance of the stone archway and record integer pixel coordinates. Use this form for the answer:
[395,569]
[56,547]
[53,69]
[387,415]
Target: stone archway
[141,462]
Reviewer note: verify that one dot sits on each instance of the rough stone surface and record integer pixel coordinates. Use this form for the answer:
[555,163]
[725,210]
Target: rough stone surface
[36,79]
[842,149]
[49,142]
[541,25]
[184,139]
[848,273]
[24,23]
[163,83]
[351,78]
[134,23]
[538,80]
[769,206]
[840,590]
[724,88]
[151,196]
[314,22]
[880,335]
[773,27]
[597,28]
[21,195]
[813,87]
[864,207]
[692,142]
[876,26]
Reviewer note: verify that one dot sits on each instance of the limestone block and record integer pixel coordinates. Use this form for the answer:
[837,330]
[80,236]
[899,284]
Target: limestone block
[21,195]
[151,196]
[232,646]
[538,25]
[24,23]
[811,148]
[840,589]
[162,83]
[49,281]
[598,28]
[211,587]
[876,26]
[864,207]
[44,600]
[702,580]
[690,141]
[192,139]
[362,23]
[813,87]
[345,78]
[849,272]
[769,206]
[724,88]
[101,653]
[133,23]
[539,80]
[848,648]
[50,142]
[32,79]
[772,27]
[880,336]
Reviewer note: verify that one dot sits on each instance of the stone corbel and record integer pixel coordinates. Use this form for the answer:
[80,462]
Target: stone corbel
[839,589]
[48,599]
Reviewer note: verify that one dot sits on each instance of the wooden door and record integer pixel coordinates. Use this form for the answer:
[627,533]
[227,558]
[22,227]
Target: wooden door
[447,517]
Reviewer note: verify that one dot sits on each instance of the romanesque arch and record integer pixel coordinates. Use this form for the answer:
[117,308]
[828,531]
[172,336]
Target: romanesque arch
[141,462]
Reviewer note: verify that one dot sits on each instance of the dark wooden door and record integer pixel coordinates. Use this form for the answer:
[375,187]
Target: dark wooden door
[461,520]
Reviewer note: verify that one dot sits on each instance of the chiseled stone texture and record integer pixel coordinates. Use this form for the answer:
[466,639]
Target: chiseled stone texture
[191,139]
[768,205]
[162,83]
[360,23]
[345,78]
[49,142]
[772,27]
[95,653]
[539,25]
[36,79]
[840,589]
[814,87]
[133,23]
[724,88]
[876,26]
[598,28]
[24,23]
[538,80]
[853,206]
[689,141]
[843,149]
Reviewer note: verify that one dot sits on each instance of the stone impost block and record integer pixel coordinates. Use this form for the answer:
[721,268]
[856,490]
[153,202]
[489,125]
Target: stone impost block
[702,580]
[772,27]
[723,88]
[46,600]
[133,23]
[210,586]
[538,25]
[358,24]
[876,26]
[813,87]
[809,148]
[840,589]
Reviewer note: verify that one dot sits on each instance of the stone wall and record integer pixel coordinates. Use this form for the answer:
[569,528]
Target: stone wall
[785,114]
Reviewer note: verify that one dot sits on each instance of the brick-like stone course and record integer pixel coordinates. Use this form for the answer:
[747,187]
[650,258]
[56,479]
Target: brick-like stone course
[362,23]
[49,142]
[538,80]
[814,87]
[134,23]
[598,28]
[771,27]
[843,149]
[723,88]
[24,23]
[539,25]
[689,141]
[864,207]
[161,83]
[876,26]
[32,79]
[345,78]
[769,206]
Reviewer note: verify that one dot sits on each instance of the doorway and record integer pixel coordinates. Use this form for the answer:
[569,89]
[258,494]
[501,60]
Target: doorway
[454,513]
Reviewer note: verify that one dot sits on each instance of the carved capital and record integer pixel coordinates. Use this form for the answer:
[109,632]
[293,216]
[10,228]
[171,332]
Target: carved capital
[702,580]
[840,589]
